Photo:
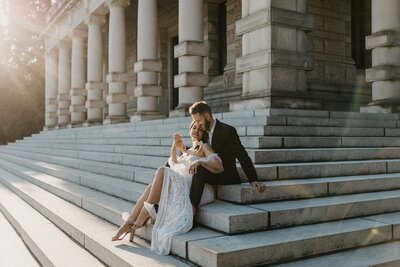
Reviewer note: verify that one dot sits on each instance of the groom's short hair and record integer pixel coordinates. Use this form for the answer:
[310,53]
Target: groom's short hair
[200,107]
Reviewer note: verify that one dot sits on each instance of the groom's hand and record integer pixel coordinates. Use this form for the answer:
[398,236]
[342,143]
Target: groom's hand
[260,186]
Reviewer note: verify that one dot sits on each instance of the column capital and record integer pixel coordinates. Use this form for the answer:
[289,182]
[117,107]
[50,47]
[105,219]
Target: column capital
[95,19]
[117,3]
[78,33]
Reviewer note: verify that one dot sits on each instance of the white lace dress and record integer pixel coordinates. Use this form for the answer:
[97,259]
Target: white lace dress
[175,215]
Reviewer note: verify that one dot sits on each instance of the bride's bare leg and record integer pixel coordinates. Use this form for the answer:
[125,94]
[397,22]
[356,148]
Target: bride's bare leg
[153,198]
[155,191]
[139,204]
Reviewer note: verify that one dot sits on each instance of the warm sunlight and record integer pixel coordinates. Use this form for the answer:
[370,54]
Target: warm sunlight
[3,13]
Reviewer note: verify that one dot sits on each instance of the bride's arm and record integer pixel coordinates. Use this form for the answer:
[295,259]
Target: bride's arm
[214,164]
[177,143]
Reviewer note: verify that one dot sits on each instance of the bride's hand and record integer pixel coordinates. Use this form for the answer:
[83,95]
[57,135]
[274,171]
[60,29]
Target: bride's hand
[193,167]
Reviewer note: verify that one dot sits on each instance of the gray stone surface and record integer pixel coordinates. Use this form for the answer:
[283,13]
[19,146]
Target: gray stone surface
[284,244]
[13,251]
[377,255]
[42,237]
[287,213]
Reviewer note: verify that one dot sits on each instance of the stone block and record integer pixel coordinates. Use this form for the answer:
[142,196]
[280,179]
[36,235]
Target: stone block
[96,86]
[382,73]
[382,39]
[191,48]
[148,65]
[77,108]
[190,79]
[77,92]
[95,104]
[117,99]
[148,90]
[118,77]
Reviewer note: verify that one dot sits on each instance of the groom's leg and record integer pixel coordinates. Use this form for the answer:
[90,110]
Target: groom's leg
[202,177]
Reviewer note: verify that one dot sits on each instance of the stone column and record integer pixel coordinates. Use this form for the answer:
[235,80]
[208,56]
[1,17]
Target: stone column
[51,90]
[95,85]
[64,84]
[117,77]
[190,53]
[148,65]
[274,60]
[385,45]
[78,78]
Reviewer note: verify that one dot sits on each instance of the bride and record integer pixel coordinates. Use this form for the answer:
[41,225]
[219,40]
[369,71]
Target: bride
[170,190]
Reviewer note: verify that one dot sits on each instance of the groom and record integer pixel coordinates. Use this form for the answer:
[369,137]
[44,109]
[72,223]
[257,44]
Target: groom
[225,141]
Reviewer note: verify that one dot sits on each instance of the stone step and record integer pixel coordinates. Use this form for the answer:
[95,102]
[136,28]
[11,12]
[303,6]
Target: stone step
[247,141]
[226,217]
[42,237]
[127,190]
[111,208]
[287,244]
[376,255]
[93,233]
[278,171]
[99,167]
[204,247]
[13,251]
[258,156]
[314,131]
[299,212]
[308,188]
[287,171]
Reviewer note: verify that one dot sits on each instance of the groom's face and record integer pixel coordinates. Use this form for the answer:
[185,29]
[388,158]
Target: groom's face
[202,120]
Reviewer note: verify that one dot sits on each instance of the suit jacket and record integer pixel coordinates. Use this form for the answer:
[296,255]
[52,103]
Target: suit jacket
[227,145]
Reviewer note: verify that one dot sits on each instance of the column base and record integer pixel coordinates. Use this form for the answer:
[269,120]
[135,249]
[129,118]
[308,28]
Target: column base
[74,125]
[147,116]
[275,100]
[115,120]
[49,128]
[61,126]
[374,108]
[92,123]
[179,112]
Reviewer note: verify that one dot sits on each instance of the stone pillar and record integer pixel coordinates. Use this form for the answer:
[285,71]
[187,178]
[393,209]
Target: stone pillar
[51,118]
[64,84]
[95,85]
[385,45]
[78,78]
[148,65]
[274,60]
[117,77]
[190,53]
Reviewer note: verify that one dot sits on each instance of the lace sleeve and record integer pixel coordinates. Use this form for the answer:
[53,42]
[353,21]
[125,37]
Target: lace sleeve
[210,157]
[179,159]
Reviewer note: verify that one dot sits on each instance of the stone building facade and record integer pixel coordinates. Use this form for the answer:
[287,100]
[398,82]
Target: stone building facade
[110,61]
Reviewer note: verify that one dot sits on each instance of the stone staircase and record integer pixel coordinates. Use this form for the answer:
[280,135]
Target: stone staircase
[333,191]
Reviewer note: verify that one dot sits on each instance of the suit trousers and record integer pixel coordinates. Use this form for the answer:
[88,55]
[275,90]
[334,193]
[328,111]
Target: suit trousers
[204,176]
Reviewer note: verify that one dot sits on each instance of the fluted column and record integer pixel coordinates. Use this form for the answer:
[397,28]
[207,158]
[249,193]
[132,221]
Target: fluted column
[385,45]
[190,52]
[148,65]
[64,83]
[78,78]
[117,77]
[95,85]
[51,90]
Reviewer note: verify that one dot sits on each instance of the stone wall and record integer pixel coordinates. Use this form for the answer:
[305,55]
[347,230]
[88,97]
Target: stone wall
[334,77]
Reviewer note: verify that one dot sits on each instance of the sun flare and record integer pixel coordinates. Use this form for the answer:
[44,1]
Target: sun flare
[3,13]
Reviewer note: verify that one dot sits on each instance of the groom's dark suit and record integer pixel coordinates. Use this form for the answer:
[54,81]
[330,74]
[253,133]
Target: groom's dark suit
[226,143]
